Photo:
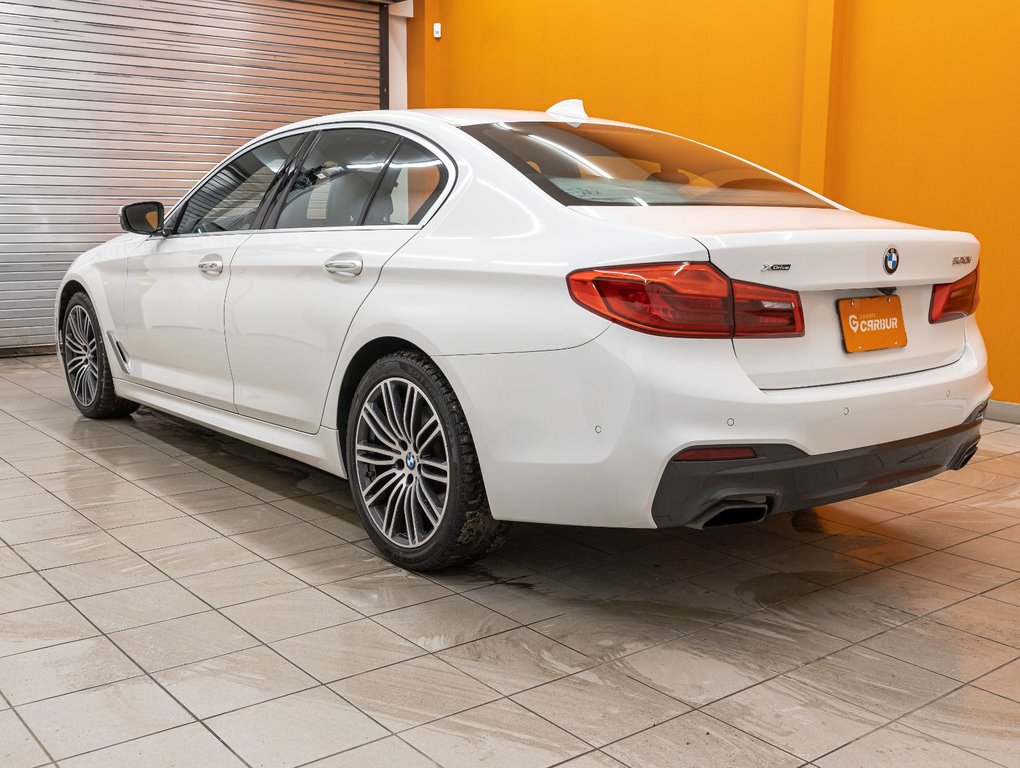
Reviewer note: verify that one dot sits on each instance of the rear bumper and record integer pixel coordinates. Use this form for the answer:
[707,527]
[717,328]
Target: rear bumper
[584,436]
[785,479]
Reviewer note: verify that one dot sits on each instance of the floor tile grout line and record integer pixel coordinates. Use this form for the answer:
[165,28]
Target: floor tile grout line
[142,553]
[849,644]
[133,739]
[596,663]
[140,674]
[160,732]
[264,559]
[896,721]
[893,565]
[465,593]
[389,735]
[960,685]
[933,581]
[144,672]
[692,710]
[607,662]
[370,618]
[130,481]
[977,535]
[259,642]
[911,516]
[27,727]
[42,572]
[701,708]
[980,491]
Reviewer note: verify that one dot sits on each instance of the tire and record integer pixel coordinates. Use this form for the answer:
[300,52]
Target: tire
[417,519]
[86,365]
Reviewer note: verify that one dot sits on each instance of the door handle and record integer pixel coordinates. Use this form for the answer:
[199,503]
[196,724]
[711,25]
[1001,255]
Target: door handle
[344,267]
[212,265]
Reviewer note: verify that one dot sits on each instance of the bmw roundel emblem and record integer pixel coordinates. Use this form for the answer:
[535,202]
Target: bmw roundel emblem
[891,261]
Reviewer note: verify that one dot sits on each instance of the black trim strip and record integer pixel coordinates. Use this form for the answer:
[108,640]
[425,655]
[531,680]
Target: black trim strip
[273,211]
[269,205]
[384,57]
[378,180]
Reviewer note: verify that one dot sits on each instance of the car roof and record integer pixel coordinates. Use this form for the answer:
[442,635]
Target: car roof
[450,116]
[468,116]
[417,118]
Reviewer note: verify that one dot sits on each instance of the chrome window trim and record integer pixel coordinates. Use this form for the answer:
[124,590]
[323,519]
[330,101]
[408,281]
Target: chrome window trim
[414,136]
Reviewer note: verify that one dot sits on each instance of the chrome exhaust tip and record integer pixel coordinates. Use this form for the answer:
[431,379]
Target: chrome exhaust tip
[965,457]
[733,512]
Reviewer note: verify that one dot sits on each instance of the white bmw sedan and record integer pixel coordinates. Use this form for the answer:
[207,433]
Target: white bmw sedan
[486,316]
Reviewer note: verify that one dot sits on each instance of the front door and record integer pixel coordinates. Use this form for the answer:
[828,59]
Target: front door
[177,285]
[294,289]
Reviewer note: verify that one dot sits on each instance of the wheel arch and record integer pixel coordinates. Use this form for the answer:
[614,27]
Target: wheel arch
[360,362]
[69,289]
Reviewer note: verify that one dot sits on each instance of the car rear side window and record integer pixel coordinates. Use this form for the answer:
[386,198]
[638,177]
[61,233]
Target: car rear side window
[229,200]
[414,180]
[337,179]
[600,164]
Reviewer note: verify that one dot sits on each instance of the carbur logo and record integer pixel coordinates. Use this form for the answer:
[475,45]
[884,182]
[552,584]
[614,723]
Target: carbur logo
[775,268]
[891,260]
[872,323]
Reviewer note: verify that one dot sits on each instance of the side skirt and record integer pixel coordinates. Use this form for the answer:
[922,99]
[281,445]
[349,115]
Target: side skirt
[319,449]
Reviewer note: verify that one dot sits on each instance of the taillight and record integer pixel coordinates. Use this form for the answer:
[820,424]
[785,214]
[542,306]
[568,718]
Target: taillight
[951,301]
[692,299]
[761,310]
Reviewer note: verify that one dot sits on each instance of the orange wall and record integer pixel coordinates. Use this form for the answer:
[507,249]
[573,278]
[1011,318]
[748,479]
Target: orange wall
[668,64]
[898,108]
[926,128]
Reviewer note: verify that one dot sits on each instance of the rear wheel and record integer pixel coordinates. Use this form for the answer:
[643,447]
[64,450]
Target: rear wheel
[86,365]
[413,469]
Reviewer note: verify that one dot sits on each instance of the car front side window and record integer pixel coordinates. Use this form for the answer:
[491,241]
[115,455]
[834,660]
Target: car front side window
[229,201]
[337,179]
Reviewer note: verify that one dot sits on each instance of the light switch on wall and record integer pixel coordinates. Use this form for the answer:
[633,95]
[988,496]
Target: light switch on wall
[437,30]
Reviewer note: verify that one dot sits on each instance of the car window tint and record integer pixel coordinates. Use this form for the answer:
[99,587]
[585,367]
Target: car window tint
[601,164]
[414,179]
[230,199]
[337,179]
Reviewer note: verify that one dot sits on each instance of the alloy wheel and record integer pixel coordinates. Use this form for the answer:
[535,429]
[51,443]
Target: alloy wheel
[81,355]
[402,462]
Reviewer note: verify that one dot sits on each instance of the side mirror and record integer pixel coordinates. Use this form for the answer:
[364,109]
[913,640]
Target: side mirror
[142,218]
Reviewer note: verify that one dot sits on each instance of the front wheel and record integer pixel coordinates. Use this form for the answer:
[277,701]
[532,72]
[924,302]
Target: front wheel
[413,469]
[86,365]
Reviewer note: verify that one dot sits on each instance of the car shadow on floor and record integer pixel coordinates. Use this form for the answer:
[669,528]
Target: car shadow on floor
[756,565]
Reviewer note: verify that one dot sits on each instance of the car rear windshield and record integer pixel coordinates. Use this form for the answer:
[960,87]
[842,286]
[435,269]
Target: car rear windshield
[598,164]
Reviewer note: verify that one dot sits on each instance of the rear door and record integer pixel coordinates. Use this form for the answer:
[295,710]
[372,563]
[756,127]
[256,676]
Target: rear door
[361,192]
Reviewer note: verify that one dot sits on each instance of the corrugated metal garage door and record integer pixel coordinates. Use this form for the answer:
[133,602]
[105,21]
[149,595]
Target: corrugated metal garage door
[108,101]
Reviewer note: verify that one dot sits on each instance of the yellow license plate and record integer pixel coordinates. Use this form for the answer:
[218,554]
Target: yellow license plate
[872,323]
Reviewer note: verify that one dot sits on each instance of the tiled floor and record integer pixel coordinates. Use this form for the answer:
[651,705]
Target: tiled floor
[172,597]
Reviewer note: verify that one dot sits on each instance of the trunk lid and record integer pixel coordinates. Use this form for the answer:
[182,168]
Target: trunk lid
[826,255]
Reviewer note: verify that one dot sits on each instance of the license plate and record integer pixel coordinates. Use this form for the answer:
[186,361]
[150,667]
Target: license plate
[872,323]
